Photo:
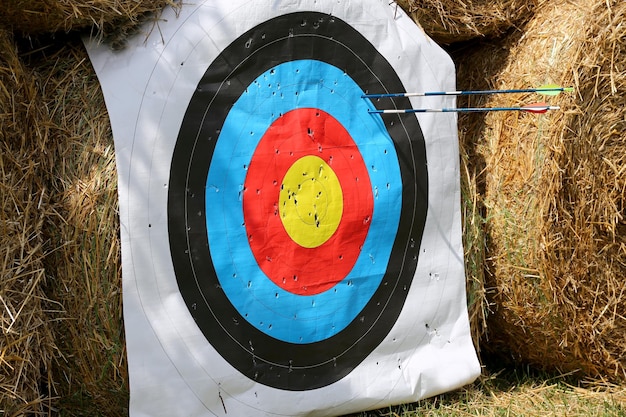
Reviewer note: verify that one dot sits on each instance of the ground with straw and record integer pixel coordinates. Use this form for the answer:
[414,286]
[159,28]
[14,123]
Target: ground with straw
[518,392]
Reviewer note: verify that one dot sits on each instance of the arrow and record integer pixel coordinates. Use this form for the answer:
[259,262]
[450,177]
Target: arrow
[531,108]
[546,90]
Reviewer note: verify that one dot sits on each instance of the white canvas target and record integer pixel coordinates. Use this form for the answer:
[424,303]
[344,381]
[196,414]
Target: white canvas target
[285,250]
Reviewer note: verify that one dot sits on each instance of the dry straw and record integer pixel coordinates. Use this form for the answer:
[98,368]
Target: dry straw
[451,21]
[554,190]
[110,18]
[26,314]
[63,348]
[91,367]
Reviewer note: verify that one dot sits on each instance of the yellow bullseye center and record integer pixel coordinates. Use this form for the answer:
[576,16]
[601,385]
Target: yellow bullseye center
[310,201]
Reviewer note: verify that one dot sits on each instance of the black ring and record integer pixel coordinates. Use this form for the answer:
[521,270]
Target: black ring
[278,364]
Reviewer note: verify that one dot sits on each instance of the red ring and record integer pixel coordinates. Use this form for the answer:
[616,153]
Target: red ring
[300,270]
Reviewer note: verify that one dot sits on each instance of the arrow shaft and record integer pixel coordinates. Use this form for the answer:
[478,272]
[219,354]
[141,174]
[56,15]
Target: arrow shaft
[469,92]
[536,109]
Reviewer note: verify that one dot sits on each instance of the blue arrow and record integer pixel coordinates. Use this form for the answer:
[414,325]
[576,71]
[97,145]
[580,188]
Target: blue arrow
[532,108]
[548,90]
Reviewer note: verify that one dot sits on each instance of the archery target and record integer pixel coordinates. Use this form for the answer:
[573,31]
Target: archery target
[285,252]
[273,306]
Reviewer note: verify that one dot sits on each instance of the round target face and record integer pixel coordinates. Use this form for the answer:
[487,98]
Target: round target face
[295,216]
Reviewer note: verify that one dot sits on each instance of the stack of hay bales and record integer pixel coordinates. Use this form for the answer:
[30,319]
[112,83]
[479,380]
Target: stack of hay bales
[544,195]
[554,189]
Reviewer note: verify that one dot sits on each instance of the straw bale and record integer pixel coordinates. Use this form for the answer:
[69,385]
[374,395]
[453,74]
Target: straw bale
[92,376]
[554,190]
[448,21]
[111,17]
[27,345]
[62,346]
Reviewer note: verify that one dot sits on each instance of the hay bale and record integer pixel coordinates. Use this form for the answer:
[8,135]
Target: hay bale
[61,294]
[27,345]
[452,21]
[91,375]
[110,17]
[555,191]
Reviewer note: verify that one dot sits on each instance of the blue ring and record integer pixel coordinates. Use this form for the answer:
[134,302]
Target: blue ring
[272,310]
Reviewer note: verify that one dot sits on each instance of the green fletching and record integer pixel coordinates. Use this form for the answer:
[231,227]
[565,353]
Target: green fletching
[553,90]
[550,90]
